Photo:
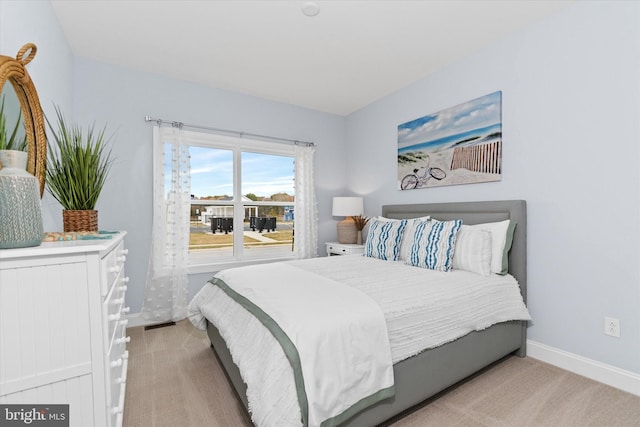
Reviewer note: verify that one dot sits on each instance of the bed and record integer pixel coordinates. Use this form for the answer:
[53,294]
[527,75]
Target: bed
[427,373]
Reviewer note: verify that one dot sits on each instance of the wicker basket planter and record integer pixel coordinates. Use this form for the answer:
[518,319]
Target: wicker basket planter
[84,220]
[77,169]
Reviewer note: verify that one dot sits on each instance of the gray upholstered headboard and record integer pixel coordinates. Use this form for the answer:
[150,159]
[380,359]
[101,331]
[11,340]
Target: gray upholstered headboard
[476,213]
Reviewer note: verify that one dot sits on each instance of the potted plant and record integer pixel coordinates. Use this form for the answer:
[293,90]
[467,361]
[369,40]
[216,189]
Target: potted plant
[360,222]
[11,141]
[77,167]
[13,146]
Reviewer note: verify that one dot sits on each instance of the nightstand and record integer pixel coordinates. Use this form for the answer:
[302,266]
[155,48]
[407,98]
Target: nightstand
[335,248]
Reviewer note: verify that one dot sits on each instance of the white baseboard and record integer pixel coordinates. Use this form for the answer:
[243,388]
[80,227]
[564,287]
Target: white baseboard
[601,372]
[136,319]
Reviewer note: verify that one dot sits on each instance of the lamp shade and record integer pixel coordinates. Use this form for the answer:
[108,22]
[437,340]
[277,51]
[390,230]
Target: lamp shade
[347,206]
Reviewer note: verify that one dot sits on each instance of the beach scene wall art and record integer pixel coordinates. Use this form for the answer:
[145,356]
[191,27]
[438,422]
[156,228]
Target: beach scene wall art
[458,145]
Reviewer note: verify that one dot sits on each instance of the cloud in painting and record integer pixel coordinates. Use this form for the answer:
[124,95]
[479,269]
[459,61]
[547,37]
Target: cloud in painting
[474,114]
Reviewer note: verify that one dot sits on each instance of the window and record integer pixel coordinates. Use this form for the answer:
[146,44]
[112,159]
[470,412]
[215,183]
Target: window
[215,202]
[242,202]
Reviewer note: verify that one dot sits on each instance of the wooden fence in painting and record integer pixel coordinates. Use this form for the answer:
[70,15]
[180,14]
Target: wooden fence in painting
[485,158]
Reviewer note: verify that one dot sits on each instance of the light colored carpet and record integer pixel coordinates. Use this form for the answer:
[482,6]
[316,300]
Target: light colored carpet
[174,380]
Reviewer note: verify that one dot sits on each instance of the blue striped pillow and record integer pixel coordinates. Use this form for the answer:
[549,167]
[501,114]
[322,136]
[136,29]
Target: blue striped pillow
[433,244]
[384,238]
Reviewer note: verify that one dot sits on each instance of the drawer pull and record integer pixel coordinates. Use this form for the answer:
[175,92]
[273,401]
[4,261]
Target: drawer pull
[115,269]
[124,252]
[125,310]
[123,340]
[117,363]
[124,322]
[124,280]
[117,301]
[119,409]
[122,288]
[121,258]
[114,316]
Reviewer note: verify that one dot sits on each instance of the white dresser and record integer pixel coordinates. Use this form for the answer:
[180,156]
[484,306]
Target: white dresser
[62,328]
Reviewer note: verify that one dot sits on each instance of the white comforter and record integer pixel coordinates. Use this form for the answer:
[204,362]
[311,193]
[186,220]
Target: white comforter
[339,334]
[422,309]
[425,308]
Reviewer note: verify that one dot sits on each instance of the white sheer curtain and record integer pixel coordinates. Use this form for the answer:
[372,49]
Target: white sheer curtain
[306,207]
[165,296]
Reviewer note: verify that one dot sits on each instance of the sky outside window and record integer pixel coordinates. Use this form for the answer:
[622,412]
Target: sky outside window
[267,174]
[212,173]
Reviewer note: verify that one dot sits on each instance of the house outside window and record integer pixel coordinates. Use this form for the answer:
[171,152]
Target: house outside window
[242,200]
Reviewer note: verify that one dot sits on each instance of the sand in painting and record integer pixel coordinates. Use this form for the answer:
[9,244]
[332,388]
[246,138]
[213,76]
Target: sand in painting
[442,160]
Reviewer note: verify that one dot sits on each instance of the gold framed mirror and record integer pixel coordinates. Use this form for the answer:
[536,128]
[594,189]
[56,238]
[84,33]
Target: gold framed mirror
[14,71]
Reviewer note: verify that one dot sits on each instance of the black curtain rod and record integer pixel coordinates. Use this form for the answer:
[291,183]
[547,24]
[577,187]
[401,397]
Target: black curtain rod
[181,125]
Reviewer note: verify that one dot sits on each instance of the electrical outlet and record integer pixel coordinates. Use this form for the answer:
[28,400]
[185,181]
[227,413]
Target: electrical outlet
[612,327]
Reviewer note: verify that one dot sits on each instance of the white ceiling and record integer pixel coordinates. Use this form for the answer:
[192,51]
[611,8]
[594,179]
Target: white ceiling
[349,55]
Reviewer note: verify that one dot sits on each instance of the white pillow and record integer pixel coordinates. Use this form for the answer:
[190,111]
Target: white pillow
[473,251]
[501,240]
[407,236]
[409,233]
[384,238]
[434,244]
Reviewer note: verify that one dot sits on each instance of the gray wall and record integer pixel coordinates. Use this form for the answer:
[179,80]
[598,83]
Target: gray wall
[571,124]
[51,70]
[571,108]
[122,97]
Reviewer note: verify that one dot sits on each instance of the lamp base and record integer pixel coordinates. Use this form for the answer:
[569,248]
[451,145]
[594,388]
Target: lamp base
[347,231]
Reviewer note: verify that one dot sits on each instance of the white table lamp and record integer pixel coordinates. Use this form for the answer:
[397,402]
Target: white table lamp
[347,207]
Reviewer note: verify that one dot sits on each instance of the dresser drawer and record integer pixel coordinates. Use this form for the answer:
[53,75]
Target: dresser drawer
[334,248]
[118,344]
[114,312]
[111,266]
[116,360]
[116,387]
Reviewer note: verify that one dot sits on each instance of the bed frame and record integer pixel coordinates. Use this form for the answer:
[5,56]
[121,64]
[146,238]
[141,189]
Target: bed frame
[432,371]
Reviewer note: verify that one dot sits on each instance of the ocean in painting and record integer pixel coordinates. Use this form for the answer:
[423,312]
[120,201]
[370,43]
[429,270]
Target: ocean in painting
[478,136]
